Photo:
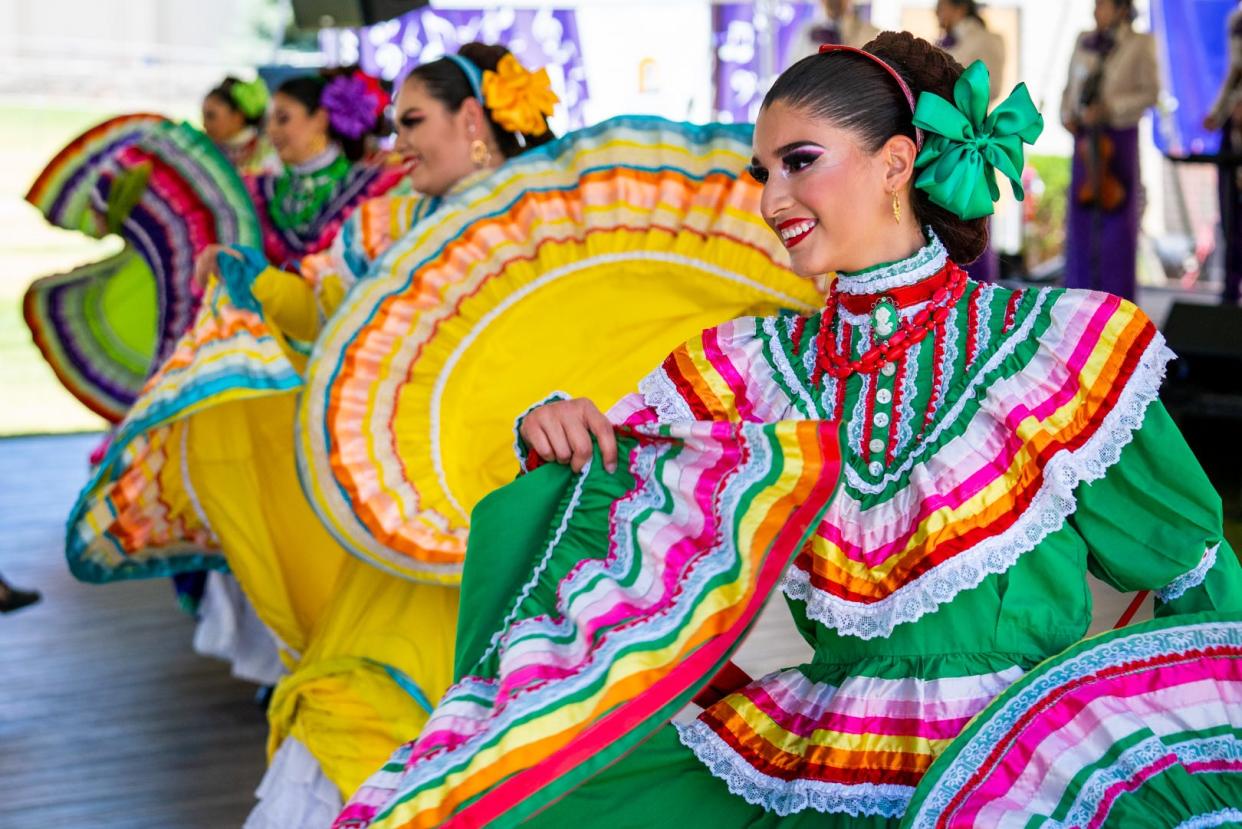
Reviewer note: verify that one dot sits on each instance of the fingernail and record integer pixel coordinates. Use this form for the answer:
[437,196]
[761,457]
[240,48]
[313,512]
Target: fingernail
[612,468]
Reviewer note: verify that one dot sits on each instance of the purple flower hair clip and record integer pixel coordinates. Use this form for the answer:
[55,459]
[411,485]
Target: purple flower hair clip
[353,103]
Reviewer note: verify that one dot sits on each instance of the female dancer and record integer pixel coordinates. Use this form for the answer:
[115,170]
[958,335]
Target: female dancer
[233,115]
[1113,79]
[994,446]
[169,193]
[205,461]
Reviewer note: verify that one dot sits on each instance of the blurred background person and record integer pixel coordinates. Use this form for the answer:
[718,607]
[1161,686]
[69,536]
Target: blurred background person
[839,24]
[1226,116]
[233,115]
[1113,79]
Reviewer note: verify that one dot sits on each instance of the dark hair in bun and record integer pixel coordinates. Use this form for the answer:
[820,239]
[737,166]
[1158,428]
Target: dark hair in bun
[308,91]
[445,81]
[856,94]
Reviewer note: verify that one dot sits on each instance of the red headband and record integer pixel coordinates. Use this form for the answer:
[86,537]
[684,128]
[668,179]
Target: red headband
[905,87]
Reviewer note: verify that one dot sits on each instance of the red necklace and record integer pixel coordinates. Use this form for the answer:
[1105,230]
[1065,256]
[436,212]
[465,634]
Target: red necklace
[944,290]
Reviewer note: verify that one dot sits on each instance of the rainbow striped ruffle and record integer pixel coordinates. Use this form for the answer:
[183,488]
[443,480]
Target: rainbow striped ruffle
[1047,406]
[1136,727]
[642,584]
[138,516]
[578,265]
[167,191]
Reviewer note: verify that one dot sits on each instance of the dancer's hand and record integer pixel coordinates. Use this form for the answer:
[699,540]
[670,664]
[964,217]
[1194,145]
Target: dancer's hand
[205,263]
[562,432]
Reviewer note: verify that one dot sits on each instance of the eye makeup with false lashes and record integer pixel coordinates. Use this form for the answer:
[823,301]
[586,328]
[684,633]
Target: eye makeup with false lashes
[794,159]
[409,119]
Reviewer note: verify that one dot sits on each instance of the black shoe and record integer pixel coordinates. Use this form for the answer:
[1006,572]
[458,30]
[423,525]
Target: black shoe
[12,599]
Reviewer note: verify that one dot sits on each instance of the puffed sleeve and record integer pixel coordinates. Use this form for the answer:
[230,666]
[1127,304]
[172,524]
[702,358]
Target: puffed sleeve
[1154,522]
[718,375]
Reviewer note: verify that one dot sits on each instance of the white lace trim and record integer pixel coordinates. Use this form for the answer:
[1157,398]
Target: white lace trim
[787,797]
[537,573]
[786,369]
[1212,819]
[909,391]
[928,261]
[1046,514]
[660,393]
[520,448]
[1190,579]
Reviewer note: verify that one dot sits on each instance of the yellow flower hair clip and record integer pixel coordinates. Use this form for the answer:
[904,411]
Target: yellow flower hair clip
[520,101]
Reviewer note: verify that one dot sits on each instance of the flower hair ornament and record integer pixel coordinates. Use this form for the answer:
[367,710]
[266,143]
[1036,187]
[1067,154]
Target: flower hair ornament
[354,103]
[250,97]
[519,101]
[966,145]
[960,145]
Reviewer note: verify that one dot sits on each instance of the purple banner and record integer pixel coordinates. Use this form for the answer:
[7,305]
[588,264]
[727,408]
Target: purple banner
[739,34]
[1195,57]
[537,37]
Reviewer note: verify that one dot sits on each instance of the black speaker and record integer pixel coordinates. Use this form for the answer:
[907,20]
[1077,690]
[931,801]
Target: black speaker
[1203,391]
[330,14]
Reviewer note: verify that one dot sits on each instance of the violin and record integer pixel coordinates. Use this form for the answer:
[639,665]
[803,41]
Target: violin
[1100,188]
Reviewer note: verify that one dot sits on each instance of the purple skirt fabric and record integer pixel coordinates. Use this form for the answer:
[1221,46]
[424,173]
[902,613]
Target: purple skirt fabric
[987,267]
[1101,247]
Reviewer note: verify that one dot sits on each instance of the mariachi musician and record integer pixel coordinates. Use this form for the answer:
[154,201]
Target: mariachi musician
[1113,79]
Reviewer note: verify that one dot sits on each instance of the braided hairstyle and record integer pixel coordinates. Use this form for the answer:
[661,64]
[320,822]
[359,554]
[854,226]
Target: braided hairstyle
[853,93]
[445,81]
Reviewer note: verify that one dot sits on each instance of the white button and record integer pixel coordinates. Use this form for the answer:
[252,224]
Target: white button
[876,445]
[875,467]
[880,419]
[883,396]
[889,369]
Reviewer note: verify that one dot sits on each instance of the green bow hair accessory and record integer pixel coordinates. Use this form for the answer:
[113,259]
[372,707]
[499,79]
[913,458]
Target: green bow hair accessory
[250,97]
[965,145]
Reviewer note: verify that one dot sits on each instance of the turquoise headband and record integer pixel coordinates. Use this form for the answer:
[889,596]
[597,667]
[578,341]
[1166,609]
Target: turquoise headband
[471,72]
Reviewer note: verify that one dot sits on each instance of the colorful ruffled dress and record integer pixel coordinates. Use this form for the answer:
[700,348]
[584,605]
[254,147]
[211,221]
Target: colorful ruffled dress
[636,232]
[167,191]
[1135,727]
[986,469]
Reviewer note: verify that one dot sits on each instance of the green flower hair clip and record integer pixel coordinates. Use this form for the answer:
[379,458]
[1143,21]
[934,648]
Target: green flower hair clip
[965,145]
[250,97]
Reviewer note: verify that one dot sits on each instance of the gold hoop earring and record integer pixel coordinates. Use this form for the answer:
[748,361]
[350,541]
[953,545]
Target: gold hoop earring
[480,155]
[896,208]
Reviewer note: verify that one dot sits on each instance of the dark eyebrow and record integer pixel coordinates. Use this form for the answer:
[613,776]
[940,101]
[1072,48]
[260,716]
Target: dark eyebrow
[788,148]
[407,111]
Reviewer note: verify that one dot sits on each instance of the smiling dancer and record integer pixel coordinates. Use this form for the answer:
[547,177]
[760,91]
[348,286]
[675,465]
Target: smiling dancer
[995,446]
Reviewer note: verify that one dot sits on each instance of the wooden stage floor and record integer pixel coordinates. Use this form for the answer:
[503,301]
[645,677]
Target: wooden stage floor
[108,719]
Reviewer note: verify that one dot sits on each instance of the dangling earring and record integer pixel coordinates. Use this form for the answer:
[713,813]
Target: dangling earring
[480,155]
[896,208]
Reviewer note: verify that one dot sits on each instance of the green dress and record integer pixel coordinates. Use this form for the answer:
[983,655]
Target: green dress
[986,467]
